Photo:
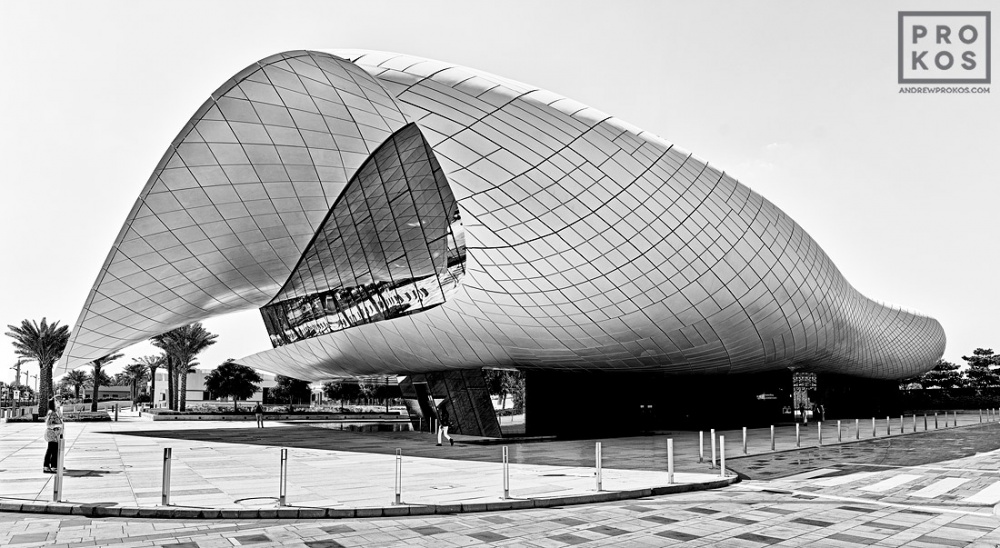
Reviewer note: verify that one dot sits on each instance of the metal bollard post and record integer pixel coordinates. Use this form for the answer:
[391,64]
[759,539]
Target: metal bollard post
[901,424]
[57,490]
[722,456]
[857,429]
[744,440]
[888,427]
[840,433]
[980,415]
[925,422]
[670,461]
[283,478]
[873,428]
[798,439]
[712,432]
[914,422]
[116,412]
[165,491]
[506,473]
[597,462]
[819,432]
[935,421]
[701,446]
[399,476]
[772,437]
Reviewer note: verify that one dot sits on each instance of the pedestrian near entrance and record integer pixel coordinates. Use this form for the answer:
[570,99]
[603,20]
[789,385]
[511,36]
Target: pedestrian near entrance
[802,413]
[53,429]
[444,421]
[259,412]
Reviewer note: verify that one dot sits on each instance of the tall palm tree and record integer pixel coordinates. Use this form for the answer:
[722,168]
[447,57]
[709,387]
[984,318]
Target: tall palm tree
[152,363]
[181,346]
[77,379]
[43,343]
[133,376]
[99,377]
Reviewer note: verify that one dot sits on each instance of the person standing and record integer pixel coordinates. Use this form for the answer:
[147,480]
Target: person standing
[259,412]
[53,429]
[444,421]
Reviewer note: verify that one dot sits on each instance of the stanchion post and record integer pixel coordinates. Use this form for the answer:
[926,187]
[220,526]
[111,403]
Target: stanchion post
[874,433]
[925,422]
[283,478]
[798,437]
[116,412]
[670,461]
[772,437]
[935,421]
[506,473]
[712,434]
[722,456]
[819,432]
[701,446]
[901,427]
[165,491]
[840,433]
[914,422]
[980,415]
[57,486]
[399,476]
[744,440]
[597,462]
[888,427]
[857,429]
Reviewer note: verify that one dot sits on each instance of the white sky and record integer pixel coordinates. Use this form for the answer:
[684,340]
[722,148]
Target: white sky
[797,100]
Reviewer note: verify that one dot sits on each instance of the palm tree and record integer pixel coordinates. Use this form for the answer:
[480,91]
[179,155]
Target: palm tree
[152,363]
[99,377]
[77,379]
[181,346]
[134,375]
[43,343]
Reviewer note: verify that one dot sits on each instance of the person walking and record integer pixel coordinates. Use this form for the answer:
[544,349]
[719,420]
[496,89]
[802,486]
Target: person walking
[444,421]
[53,429]
[259,412]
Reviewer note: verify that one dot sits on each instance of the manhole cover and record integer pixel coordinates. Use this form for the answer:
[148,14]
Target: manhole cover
[257,501]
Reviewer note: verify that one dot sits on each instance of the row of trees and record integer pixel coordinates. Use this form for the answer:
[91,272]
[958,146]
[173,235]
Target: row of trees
[982,373]
[45,342]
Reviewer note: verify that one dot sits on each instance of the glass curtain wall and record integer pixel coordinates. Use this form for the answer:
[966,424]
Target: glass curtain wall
[391,245]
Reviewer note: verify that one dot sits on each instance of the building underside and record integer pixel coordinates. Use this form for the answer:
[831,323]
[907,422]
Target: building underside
[394,215]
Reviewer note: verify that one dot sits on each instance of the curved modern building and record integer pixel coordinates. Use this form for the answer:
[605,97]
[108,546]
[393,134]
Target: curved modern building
[395,215]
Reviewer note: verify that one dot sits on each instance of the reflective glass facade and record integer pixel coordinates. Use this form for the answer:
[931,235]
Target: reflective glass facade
[392,245]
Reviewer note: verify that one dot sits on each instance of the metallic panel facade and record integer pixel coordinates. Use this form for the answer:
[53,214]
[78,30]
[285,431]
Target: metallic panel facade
[591,244]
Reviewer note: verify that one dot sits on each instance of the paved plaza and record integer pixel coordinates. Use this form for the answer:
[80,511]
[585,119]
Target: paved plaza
[933,488]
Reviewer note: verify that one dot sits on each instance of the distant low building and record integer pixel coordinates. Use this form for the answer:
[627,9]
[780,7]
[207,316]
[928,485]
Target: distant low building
[196,391]
[107,393]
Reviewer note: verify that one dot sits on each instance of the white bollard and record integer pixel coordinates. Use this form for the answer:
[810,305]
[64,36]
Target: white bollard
[874,433]
[597,459]
[857,429]
[819,432]
[935,421]
[914,422]
[57,486]
[901,427]
[772,437]
[797,437]
[399,476]
[722,456]
[670,461]
[712,432]
[701,446]
[925,422]
[283,479]
[840,433]
[165,491]
[744,440]
[506,474]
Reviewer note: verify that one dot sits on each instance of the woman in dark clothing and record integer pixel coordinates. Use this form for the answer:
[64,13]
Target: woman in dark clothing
[444,421]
